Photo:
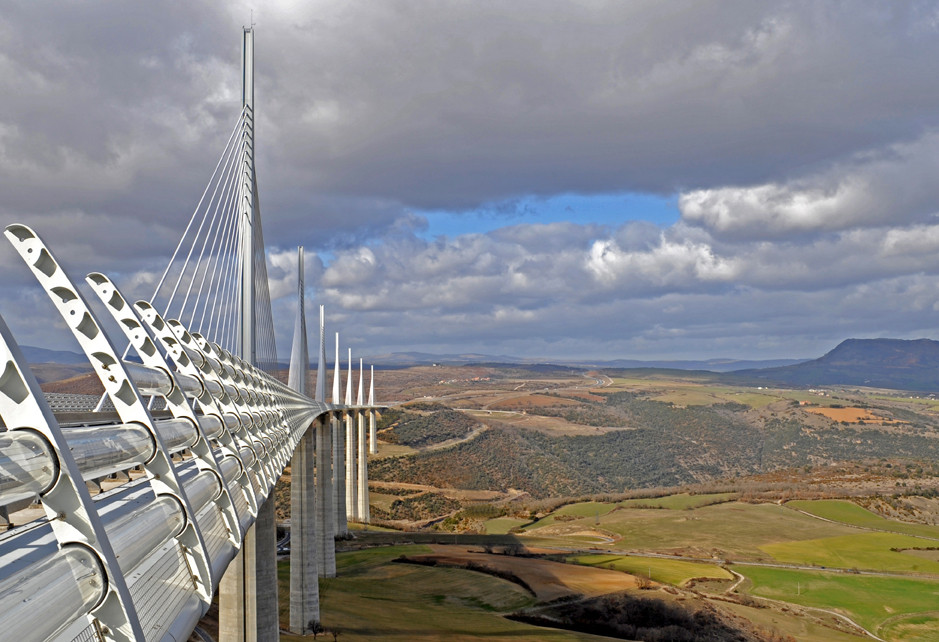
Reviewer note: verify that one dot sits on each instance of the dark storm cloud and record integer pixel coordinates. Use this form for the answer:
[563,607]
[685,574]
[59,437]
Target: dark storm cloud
[800,137]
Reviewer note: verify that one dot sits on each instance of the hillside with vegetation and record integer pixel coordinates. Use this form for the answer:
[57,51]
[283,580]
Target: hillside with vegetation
[424,425]
[646,442]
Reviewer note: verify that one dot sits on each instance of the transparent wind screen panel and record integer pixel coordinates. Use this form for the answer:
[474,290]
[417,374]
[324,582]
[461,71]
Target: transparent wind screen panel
[26,466]
[102,450]
[136,535]
[231,469]
[150,381]
[202,489]
[176,434]
[60,588]
[211,425]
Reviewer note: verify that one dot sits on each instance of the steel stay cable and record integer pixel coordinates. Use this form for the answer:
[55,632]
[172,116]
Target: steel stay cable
[169,303]
[234,309]
[223,249]
[229,182]
[238,124]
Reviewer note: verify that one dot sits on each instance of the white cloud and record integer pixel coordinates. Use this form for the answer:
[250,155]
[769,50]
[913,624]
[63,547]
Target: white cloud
[670,264]
[895,185]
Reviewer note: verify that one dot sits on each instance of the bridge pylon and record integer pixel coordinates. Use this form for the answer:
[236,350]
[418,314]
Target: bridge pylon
[188,441]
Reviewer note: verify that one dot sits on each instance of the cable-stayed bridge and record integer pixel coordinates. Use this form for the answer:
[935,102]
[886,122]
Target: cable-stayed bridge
[192,433]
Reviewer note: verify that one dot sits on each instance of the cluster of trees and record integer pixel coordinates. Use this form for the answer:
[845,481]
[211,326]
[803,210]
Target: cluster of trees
[631,617]
[417,508]
[417,430]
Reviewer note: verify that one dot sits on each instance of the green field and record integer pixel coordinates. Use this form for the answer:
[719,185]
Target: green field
[868,600]
[502,525]
[585,509]
[710,395]
[912,628]
[870,551]
[730,530]
[850,513]
[667,571]
[894,607]
[580,509]
[374,599]
[682,501]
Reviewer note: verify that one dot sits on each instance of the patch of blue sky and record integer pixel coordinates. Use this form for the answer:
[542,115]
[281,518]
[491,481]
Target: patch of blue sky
[604,209]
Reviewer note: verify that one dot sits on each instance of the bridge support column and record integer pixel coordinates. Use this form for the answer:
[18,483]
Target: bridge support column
[232,609]
[362,476]
[351,470]
[339,477]
[248,590]
[372,433]
[265,573]
[304,578]
[325,542]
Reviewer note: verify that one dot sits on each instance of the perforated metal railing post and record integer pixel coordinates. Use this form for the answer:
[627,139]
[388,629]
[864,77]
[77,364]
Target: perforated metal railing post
[73,516]
[129,321]
[211,396]
[126,398]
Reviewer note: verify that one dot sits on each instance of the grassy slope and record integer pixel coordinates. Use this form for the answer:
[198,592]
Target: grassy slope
[682,501]
[868,600]
[900,608]
[870,551]
[731,529]
[502,525]
[373,599]
[850,513]
[667,571]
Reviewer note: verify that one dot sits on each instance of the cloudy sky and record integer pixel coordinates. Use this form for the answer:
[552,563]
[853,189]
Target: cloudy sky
[556,179]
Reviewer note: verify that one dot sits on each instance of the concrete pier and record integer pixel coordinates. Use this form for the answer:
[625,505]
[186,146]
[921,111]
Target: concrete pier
[372,418]
[231,597]
[265,584]
[325,504]
[248,590]
[351,468]
[339,458]
[304,575]
[352,503]
[362,476]
[339,476]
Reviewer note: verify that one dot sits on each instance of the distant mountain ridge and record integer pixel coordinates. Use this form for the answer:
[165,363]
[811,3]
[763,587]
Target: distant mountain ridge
[404,359]
[903,364]
[880,363]
[714,365]
[62,357]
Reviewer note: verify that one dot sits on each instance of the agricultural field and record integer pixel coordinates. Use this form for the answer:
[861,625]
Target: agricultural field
[895,608]
[850,513]
[680,501]
[666,571]
[852,415]
[373,598]
[729,530]
[823,555]
[502,525]
[865,551]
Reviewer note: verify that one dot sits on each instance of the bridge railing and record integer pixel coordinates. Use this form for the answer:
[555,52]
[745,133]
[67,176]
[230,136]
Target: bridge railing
[142,560]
